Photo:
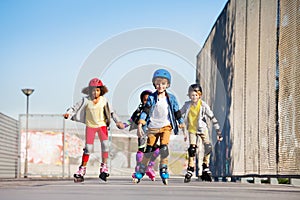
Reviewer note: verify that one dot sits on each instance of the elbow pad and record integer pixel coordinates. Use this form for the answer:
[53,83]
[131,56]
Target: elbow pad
[146,110]
[178,114]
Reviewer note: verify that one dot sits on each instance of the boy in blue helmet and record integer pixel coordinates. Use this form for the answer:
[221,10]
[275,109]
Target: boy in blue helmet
[159,115]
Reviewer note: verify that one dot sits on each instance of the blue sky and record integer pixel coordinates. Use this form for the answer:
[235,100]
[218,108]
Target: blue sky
[45,43]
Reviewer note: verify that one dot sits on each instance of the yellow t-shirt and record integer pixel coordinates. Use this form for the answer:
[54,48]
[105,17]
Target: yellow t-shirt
[193,117]
[95,113]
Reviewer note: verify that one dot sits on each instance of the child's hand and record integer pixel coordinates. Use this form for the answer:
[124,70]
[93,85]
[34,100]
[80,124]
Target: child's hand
[125,125]
[66,115]
[182,126]
[219,136]
[120,125]
[139,131]
[185,137]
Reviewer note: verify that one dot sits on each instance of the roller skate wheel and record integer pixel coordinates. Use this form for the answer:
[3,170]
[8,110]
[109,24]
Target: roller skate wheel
[103,176]
[187,180]
[135,180]
[165,181]
[78,180]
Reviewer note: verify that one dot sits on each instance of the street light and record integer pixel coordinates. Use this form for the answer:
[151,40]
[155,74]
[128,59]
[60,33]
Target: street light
[27,92]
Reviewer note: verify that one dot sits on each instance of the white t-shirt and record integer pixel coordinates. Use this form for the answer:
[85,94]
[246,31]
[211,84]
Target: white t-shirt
[159,117]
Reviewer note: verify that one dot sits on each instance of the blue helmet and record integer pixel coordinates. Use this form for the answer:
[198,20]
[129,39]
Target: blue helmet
[161,73]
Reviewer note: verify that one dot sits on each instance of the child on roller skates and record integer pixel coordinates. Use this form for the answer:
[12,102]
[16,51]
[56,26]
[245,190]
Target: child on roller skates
[132,122]
[159,115]
[195,112]
[94,111]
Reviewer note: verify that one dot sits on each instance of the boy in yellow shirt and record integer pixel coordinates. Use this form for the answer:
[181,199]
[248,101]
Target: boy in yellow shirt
[195,112]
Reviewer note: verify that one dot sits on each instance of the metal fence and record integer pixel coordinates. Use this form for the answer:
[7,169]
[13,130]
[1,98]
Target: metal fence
[248,68]
[55,147]
[9,148]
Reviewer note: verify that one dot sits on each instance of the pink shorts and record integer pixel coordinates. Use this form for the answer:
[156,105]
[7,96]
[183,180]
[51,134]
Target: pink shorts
[91,132]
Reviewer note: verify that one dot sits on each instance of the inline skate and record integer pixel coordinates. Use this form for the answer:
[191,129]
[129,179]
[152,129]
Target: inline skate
[150,171]
[189,174]
[164,174]
[138,175]
[103,172]
[206,173]
[79,175]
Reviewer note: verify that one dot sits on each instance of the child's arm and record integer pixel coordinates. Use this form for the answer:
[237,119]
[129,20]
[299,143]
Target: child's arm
[184,109]
[209,113]
[74,109]
[178,113]
[115,117]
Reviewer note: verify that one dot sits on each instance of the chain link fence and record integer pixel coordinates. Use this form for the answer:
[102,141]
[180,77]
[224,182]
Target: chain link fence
[55,147]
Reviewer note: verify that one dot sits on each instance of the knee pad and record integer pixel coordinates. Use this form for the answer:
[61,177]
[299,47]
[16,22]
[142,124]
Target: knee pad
[192,150]
[148,151]
[156,153]
[139,156]
[164,151]
[88,149]
[105,146]
[207,149]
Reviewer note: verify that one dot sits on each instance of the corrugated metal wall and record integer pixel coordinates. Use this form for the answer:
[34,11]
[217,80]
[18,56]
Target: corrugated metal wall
[9,148]
[240,56]
[289,99]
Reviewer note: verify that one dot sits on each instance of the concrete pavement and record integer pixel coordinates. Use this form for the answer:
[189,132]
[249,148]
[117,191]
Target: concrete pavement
[122,188]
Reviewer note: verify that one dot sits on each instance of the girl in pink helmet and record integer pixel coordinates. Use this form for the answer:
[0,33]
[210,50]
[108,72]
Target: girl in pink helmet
[95,112]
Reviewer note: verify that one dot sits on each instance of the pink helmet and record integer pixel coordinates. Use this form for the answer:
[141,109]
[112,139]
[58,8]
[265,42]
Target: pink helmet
[95,82]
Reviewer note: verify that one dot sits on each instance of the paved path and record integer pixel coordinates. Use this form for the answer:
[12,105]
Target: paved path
[123,189]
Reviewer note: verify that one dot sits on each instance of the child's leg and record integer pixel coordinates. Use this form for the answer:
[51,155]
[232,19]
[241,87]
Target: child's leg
[150,168]
[191,157]
[140,152]
[151,141]
[164,152]
[164,141]
[103,137]
[206,173]
[89,143]
[154,155]
[152,138]
[192,149]
[207,147]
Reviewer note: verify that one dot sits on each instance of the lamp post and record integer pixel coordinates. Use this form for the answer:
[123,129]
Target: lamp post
[27,92]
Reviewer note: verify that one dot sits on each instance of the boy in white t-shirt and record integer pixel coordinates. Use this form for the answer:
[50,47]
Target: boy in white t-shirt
[160,115]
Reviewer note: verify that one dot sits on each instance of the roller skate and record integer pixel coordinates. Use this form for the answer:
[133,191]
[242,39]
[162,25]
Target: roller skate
[206,173]
[103,172]
[138,175]
[189,174]
[79,175]
[164,174]
[150,171]
[139,158]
